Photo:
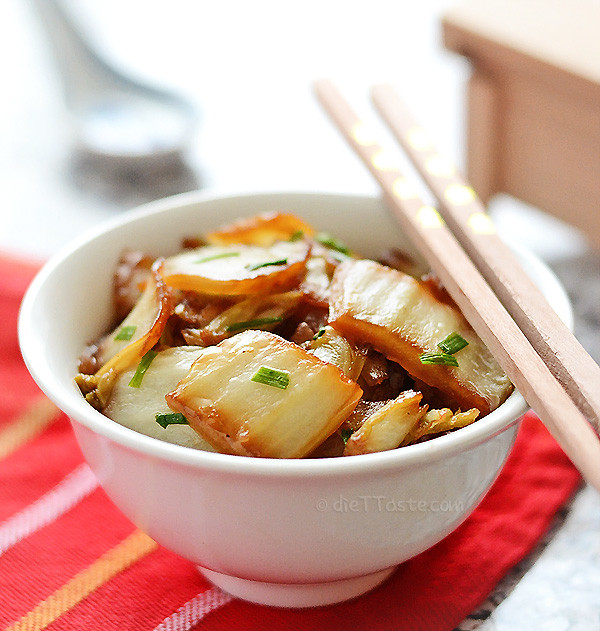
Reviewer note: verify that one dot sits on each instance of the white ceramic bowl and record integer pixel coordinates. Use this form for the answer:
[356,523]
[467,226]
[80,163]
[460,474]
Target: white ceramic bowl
[279,532]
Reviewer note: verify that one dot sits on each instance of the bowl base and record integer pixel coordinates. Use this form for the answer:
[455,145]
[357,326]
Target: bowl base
[294,594]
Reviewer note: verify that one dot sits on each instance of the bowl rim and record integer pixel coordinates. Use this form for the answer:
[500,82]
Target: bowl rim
[79,411]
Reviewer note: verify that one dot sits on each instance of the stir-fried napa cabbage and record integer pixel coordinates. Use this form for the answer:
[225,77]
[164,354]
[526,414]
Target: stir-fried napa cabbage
[267,338]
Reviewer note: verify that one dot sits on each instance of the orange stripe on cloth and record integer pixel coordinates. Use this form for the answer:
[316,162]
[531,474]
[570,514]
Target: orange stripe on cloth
[126,553]
[32,422]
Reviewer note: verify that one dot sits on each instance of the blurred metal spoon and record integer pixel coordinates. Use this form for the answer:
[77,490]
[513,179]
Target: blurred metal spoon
[113,116]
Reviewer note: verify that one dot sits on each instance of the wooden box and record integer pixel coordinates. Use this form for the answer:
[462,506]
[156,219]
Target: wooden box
[534,102]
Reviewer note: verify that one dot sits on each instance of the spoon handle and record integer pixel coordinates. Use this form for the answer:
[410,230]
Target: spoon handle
[82,72]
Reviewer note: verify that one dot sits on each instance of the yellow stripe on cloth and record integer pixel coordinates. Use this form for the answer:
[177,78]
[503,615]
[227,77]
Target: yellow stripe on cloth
[32,422]
[126,553]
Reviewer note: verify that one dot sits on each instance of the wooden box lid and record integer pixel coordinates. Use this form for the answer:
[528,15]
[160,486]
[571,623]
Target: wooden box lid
[555,40]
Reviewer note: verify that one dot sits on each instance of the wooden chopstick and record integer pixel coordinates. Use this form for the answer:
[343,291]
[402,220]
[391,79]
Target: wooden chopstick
[465,214]
[472,294]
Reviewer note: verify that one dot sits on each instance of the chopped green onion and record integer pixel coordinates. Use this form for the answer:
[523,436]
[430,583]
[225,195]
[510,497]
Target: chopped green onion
[252,324]
[126,332]
[346,433]
[272,377]
[442,359]
[338,256]
[176,418]
[267,264]
[297,236]
[319,333]
[449,345]
[140,371]
[330,242]
[214,257]
[453,343]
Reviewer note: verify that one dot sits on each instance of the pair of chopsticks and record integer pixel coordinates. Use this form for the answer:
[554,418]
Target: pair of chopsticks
[543,359]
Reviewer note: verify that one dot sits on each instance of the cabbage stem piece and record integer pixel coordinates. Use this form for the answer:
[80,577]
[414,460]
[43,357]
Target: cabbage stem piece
[147,320]
[137,408]
[402,319]
[239,415]
[388,426]
[239,271]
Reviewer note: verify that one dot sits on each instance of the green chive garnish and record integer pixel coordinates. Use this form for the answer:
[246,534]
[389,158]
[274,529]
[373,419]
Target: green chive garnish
[453,343]
[252,324]
[330,242]
[442,359]
[338,256]
[346,433]
[214,257]
[140,371]
[297,236]
[176,418]
[126,332]
[267,264]
[272,377]
[319,333]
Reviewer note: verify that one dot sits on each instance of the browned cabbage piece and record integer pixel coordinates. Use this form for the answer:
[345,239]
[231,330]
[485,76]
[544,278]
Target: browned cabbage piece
[387,427]
[147,320]
[330,346]
[241,270]
[263,230]
[439,421]
[400,318]
[238,415]
[256,312]
[445,420]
